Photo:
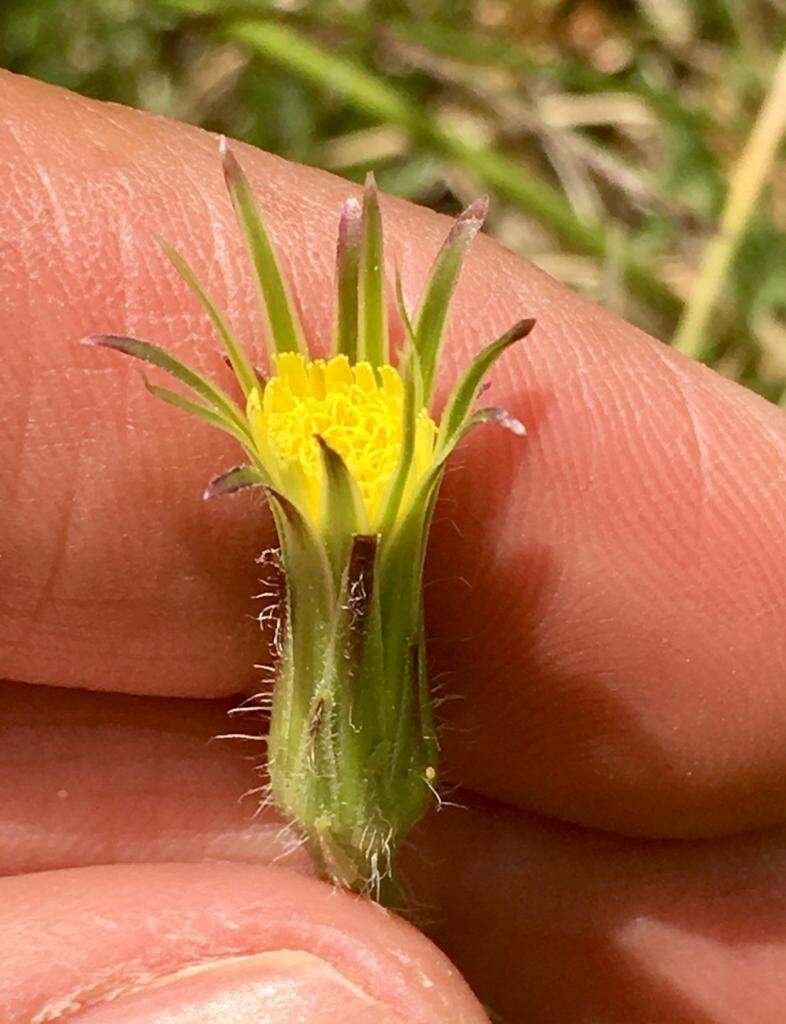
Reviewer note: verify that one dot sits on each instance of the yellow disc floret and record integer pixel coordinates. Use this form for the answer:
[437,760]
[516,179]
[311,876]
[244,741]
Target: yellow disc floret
[355,409]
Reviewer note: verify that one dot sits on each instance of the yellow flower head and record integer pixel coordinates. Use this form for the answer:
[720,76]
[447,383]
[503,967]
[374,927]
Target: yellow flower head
[355,409]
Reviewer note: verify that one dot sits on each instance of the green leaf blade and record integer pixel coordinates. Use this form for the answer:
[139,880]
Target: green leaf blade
[459,405]
[202,412]
[240,362]
[347,280]
[403,312]
[391,501]
[373,341]
[344,512]
[304,554]
[431,318]
[156,356]
[285,329]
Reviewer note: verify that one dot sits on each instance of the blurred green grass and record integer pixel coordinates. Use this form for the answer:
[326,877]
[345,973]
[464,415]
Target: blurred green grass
[607,133]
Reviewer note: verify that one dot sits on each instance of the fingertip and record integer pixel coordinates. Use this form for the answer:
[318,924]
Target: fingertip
[287,987]
[194,933]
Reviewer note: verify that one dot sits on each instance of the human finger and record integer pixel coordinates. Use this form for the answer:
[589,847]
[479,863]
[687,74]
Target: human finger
[185,942]
[603,596]
[667,931]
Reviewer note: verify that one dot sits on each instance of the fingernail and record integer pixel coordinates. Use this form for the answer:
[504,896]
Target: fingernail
[279,987]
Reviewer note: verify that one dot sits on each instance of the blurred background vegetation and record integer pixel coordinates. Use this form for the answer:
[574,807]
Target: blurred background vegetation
[632,148]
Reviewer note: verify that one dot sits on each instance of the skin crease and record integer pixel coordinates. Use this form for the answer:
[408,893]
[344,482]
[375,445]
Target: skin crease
[282,982]
[92,934]
[617,634]
[662,931]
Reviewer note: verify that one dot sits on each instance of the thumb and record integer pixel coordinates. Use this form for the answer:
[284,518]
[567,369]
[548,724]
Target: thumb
[181,943]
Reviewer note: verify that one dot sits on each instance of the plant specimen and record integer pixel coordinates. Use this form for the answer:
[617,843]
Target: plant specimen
[350,455]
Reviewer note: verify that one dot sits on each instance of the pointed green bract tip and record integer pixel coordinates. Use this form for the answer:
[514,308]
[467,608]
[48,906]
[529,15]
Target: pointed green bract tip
[350,233]
[349,223]
[474,216]
[502,418]
[228,159]
[236,479]
[230,165]
[520,330]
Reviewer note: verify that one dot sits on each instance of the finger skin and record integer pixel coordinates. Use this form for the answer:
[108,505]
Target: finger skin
[268,988]
[81,938]
[605,596]
[597,928]
[74,764]
[667,932]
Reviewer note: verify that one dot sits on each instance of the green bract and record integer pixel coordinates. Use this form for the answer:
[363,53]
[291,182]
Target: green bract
[351,459]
